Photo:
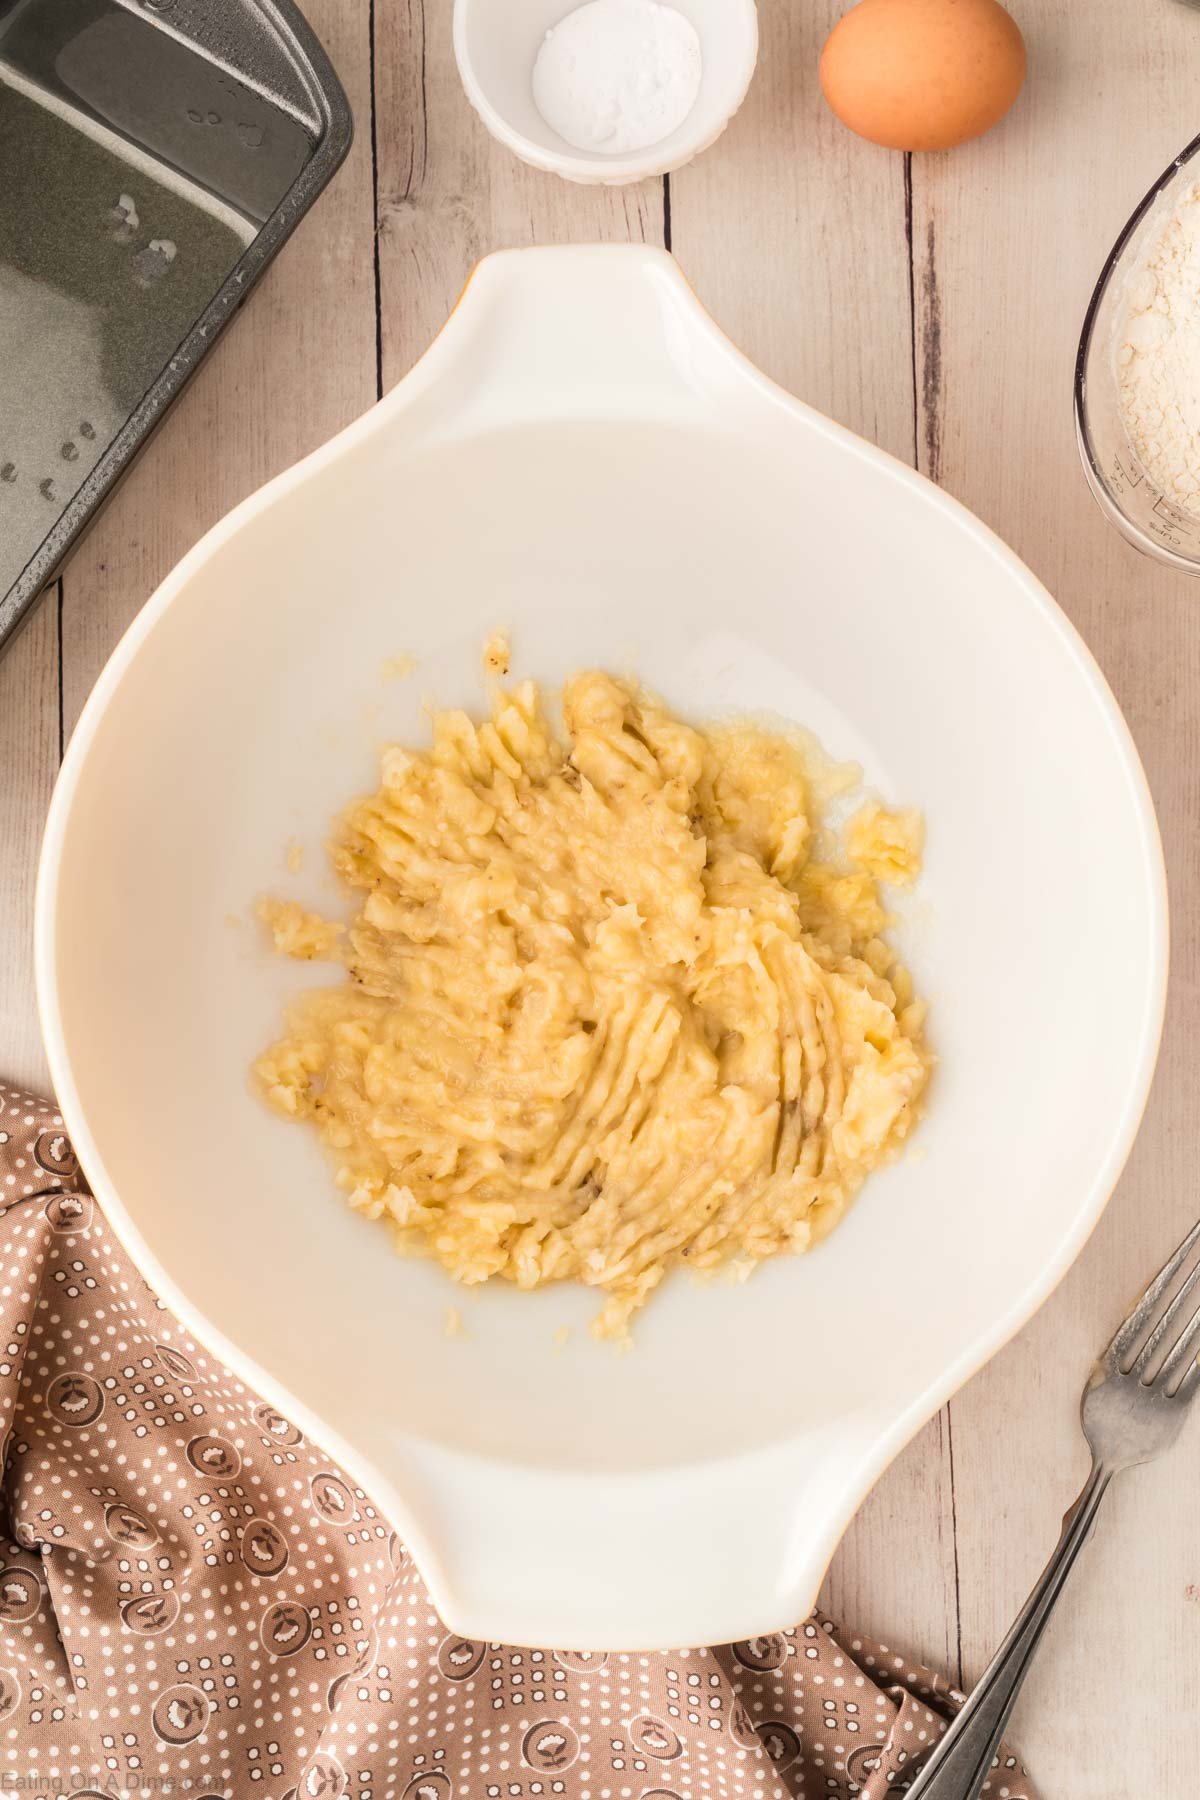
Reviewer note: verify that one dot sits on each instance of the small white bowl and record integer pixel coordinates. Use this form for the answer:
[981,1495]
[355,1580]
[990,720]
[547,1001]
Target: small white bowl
[496,43]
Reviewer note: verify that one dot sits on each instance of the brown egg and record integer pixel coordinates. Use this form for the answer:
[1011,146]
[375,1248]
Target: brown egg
[922,74]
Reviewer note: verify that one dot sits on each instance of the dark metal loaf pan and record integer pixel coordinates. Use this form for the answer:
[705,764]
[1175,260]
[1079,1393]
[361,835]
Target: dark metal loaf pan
[154,155]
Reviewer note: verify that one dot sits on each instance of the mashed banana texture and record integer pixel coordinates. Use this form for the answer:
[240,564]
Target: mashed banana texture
[607,1013]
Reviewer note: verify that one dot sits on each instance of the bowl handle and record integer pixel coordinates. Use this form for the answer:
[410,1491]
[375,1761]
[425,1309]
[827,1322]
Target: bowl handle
[655,1575]
[575,331]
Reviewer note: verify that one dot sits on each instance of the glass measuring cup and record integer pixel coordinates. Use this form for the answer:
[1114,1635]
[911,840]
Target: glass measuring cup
[1142,513]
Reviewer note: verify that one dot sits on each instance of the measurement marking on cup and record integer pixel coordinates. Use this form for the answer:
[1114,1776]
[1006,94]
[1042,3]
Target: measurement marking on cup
[1170,515]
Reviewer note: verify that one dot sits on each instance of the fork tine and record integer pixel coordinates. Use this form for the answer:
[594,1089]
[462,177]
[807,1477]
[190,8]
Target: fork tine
[1181,1352]
[1140,1316]
[1186,1391]
[1167,1327]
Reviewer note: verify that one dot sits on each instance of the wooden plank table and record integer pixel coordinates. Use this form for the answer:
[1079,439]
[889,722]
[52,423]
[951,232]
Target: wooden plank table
[933,307]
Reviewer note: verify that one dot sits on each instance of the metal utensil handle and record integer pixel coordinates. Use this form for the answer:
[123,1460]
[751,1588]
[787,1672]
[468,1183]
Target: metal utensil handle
[959,1765]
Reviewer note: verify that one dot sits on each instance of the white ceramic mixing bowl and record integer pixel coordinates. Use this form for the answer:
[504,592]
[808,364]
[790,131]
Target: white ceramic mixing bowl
[582,457]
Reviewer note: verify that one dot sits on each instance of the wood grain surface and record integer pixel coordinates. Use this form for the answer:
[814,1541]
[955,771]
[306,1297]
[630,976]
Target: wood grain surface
[933,307]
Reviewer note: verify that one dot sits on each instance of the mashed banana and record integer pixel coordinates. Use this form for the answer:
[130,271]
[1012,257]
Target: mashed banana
[607,1012]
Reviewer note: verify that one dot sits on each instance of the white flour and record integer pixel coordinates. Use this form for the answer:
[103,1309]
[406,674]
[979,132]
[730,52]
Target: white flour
[1158,354]
[617,75]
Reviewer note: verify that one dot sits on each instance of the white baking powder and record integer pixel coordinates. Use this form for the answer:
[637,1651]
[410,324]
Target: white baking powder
[1158,353]
[618,75]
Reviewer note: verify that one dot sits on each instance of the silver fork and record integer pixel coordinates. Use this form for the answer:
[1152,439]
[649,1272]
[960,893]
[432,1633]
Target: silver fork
[1135,1400]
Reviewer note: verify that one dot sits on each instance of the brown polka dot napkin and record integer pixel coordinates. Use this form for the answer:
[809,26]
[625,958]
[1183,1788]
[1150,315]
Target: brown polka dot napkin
[195,1600]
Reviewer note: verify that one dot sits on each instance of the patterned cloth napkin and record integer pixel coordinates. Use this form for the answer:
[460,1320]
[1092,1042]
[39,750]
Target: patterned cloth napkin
[195,1600]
